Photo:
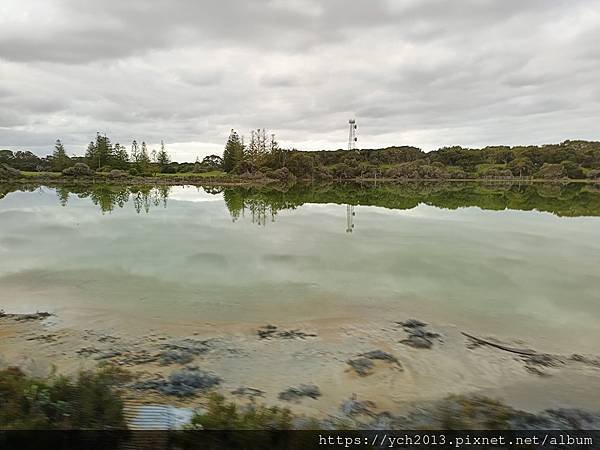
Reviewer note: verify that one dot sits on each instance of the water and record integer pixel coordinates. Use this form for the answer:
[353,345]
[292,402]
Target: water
[518,261]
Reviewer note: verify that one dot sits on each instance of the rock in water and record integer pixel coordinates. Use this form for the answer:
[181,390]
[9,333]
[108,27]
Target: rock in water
[297,393]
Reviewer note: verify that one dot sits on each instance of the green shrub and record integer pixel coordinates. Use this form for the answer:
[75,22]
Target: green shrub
[221,415]
[87,402]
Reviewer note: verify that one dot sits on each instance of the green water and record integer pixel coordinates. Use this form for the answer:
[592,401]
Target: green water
[512,260]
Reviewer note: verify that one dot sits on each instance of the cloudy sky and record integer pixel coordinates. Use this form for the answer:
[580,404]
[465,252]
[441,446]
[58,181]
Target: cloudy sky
[427,73]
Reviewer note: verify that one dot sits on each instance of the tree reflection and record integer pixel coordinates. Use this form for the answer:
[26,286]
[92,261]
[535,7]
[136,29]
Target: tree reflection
[108,197]
[261,205]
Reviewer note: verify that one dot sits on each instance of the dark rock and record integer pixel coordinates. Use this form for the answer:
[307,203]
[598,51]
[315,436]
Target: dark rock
[194,378]
[271,331]
[416,341]
[184,383]
[353,407]
[297,393]
[362,366]
[380,355]
[590,361]
[541,359]
[25,317]
[418,336]
[412,323]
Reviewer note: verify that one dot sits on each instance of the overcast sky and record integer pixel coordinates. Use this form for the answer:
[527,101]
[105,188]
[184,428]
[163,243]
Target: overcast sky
[428,73]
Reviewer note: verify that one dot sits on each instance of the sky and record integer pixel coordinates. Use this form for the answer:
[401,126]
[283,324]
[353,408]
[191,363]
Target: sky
[428,73]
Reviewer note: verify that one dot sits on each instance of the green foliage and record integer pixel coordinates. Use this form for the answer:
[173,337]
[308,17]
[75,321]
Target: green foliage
[551,171]
[60,160]
[162,157]
[61,403]
[99,152]
[79,169]
[233,153]
[222,415]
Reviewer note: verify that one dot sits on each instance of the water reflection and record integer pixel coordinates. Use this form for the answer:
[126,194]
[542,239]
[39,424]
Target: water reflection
[261,205]
[108,197]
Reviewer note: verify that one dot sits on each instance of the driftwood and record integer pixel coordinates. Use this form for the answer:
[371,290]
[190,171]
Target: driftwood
[518,351]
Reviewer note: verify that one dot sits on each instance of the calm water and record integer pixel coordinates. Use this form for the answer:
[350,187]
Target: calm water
[514,261]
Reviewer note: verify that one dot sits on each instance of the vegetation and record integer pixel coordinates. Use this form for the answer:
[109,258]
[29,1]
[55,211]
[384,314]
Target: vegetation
[88,402]
[222,415]
[262,203]
[260,159]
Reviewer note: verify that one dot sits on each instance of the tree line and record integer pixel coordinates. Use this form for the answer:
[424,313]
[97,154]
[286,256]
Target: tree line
[103,156]
[262,157]
[569,159]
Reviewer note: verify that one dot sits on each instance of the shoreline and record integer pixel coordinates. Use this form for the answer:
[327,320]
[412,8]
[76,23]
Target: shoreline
[60,180]
[393,364]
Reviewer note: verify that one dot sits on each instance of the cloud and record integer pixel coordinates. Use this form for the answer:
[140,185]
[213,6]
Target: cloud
[413,72]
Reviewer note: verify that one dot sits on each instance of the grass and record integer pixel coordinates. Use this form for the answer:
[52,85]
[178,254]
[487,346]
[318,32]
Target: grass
[41,174]
[212,174]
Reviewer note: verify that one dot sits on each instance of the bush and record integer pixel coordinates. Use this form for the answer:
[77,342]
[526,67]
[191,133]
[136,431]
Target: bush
[61,403]
[115,173]
[168,169]
[551,171]
[245,167]
[282,174]
[8,172]
[572,170]
[221,415]
[134,172]
[78,170]
[594,174]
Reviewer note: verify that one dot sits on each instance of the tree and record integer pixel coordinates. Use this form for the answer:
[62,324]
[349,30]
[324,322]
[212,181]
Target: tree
[135,151]
[91,154]
[233,153]
[121,158]
[162,157]
[143,160]
[60,160]
[212,162]
[100,152]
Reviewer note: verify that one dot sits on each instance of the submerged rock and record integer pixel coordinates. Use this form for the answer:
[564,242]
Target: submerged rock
[417,341]
[412,323]
[588,360]
[25,317]
[353,407]
[297,393]
[183,383]
[418,336]
[363,364]
[271,331]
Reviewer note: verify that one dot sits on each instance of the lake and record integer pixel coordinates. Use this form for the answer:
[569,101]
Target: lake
[517,262]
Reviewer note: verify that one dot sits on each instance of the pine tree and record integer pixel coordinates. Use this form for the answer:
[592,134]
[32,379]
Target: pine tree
[91,154]
[60,160]
[121,157]
[233,153]
[143,160]
[135,151]
[162,157]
